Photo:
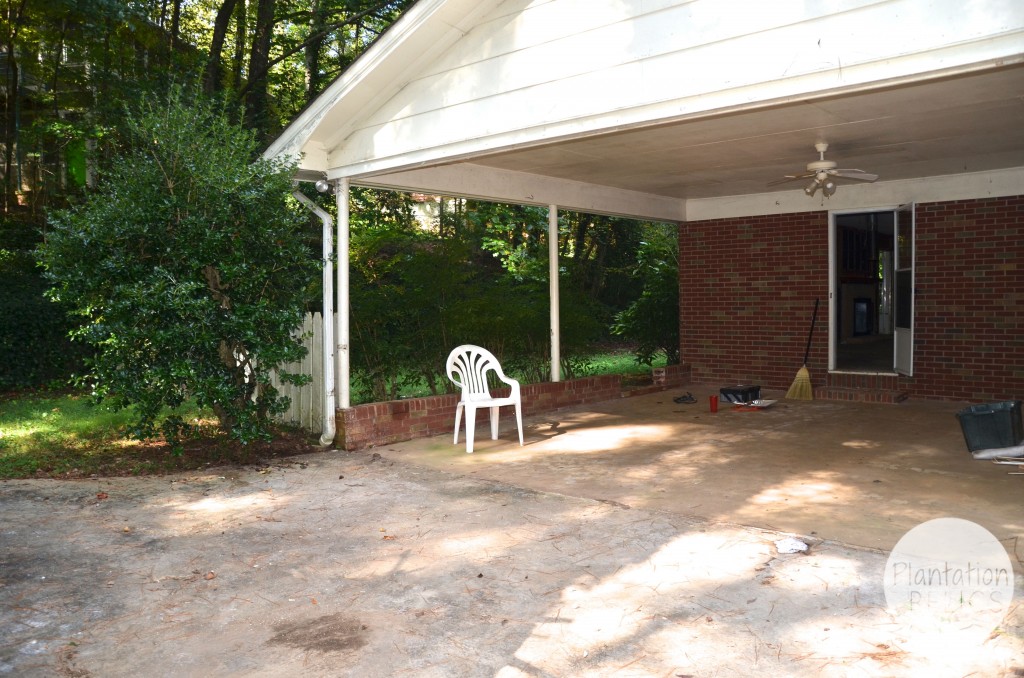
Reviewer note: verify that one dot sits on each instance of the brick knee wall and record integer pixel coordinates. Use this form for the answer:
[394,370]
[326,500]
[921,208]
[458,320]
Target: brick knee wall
[376,424]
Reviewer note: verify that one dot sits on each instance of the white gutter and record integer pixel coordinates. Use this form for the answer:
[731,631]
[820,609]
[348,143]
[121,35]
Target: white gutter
[329,428]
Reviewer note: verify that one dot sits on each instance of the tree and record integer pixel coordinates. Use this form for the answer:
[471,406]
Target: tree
[652,321]
[187,269]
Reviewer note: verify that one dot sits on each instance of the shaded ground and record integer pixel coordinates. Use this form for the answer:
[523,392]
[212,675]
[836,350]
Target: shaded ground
[354,564]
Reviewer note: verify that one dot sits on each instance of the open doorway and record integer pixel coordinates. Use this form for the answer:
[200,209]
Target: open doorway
[864,288]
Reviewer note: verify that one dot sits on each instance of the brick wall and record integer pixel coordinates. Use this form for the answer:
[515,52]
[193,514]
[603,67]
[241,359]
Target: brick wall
[383,423]
[746,292]
[747,289]
[969,300]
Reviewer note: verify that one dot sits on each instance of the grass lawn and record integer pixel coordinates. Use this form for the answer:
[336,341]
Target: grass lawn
[61,435]
[46,434]
[622,361]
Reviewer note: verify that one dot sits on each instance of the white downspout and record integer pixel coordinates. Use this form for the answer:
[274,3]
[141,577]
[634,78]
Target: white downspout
[556,350]
[341,192]
[329,428]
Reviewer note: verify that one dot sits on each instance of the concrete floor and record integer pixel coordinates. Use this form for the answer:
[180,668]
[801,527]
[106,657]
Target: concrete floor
[861,474]
[631,556]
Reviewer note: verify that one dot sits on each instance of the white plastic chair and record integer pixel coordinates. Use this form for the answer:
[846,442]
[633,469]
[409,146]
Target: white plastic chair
[468,366]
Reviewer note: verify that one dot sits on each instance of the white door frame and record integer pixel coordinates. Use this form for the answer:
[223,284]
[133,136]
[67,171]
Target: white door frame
[903,337]
[833,292]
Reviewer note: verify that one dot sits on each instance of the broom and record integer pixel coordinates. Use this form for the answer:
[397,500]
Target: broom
[801,388]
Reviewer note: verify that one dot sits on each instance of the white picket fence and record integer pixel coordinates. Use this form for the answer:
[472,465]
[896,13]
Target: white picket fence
[306,409]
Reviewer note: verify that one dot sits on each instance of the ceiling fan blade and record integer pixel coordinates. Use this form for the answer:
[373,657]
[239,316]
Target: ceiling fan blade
[858,175]
[791,177]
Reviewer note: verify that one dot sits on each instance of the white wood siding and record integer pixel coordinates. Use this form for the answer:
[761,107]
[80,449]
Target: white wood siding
[535,70]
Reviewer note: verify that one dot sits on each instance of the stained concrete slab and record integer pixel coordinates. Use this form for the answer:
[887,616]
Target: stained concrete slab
[862,474]
[384,563]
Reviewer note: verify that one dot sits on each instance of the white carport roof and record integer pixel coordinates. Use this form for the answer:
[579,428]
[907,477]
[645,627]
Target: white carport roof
[678,109]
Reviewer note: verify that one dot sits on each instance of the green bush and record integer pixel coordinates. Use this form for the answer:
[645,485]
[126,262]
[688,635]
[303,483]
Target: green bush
[187,270]
[34,347]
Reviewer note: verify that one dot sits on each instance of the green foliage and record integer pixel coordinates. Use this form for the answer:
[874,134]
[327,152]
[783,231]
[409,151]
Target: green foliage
[34,348]
[479,274]
[652,321]
[417,293]
[187,270]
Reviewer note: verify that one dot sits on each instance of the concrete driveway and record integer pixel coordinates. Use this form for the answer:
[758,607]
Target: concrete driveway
[633,539]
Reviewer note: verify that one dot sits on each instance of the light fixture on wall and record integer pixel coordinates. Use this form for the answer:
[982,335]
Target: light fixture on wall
[323,186]
[821,172]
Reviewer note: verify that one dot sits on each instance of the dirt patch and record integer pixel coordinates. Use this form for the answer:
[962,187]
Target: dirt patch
[329,633]
[207,451]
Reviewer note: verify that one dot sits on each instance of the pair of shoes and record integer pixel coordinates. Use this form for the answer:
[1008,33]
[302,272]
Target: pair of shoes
[687,399]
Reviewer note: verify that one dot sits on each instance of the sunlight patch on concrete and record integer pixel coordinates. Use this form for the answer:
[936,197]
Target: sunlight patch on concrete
[588,624]
[474,545]
[861,444]
[244,503]
[820,487]
[579,441]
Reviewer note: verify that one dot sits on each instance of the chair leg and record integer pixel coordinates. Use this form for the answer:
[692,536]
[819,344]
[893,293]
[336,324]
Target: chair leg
[494,423]
[470,428]
[458,422]
[519,421]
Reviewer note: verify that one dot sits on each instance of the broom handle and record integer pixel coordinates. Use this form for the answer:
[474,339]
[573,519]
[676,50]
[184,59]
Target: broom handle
[810,334]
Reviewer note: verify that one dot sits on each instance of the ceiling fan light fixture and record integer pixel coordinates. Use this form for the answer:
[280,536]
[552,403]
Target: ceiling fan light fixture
[823,174]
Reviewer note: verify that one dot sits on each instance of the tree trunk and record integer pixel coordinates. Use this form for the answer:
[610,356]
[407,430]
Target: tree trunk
[238,58]
[175,26]
[10,129]
[313,49]
[212,80]
[15,15]
[259,59]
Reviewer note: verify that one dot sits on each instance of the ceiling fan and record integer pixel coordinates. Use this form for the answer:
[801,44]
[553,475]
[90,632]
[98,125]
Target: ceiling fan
[821,172]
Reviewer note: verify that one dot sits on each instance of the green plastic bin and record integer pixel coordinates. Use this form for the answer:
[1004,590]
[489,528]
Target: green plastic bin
[992,425]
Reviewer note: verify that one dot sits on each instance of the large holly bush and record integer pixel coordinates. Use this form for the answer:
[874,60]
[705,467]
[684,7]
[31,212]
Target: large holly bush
[187,269]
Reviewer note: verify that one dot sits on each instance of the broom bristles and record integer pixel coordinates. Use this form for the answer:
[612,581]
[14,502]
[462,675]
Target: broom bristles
[801,388]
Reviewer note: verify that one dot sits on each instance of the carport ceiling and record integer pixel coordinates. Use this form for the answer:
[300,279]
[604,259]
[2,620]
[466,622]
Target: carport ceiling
[969,123]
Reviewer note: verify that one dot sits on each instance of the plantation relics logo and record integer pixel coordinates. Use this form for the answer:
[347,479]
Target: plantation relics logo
[949,574]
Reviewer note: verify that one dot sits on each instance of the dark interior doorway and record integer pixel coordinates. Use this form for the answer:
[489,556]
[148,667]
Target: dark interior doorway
[864,291]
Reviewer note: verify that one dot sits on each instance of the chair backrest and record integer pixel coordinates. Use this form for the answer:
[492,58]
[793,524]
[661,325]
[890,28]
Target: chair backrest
[468,366]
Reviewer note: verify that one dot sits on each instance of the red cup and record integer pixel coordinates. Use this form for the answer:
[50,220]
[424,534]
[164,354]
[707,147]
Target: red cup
[713,402]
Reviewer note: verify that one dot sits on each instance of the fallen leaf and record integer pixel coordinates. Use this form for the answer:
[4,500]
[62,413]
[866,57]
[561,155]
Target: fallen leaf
[126,530]
[209,575]
[313,600]
[388,537]
[102,495]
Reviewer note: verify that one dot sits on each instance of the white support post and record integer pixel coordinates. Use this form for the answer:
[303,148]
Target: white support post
[556,351]
[343,365]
